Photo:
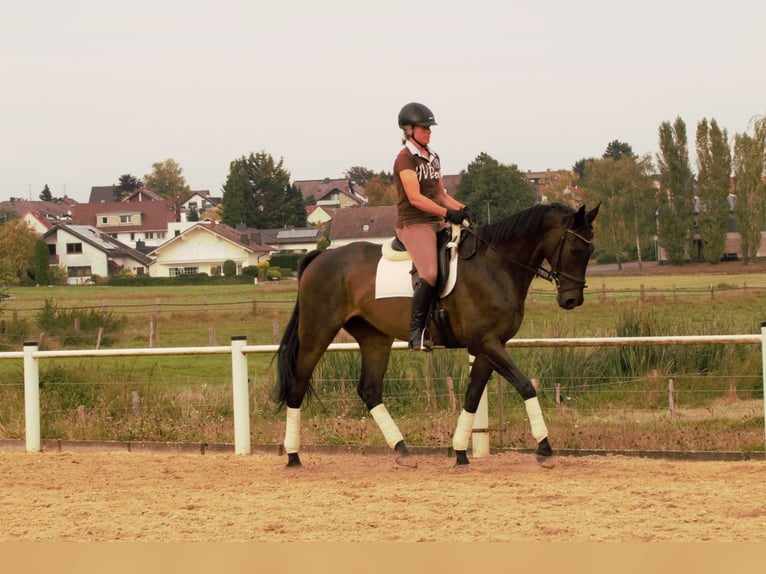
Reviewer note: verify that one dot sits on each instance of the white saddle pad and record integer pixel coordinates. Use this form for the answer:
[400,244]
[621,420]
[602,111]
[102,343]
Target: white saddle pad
[393,278]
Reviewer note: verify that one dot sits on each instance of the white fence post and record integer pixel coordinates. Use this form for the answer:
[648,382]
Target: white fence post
[31,397]
[763,359]
[480,434]
[240,395]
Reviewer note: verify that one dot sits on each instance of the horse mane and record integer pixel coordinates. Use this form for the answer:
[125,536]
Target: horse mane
[522,223]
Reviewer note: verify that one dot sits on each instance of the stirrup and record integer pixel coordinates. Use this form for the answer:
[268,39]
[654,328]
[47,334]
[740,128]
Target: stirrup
[425,343]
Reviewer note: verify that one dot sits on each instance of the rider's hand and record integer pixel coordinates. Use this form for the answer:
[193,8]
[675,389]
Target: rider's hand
[457,216]
[471,215]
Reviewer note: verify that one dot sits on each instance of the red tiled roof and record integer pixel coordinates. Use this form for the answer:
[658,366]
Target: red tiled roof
[362,222]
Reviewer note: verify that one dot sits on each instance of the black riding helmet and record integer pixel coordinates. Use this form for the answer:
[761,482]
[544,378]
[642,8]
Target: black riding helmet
[415,114]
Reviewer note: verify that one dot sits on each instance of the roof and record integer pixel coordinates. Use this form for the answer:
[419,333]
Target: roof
[47,209]
[319,189]
[242,239]
[362,222]
[103,193]
[101,241]
[155,215]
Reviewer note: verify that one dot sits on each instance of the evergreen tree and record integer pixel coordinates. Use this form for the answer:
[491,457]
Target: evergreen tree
[42,262]
[617,150]
[258,193]
[129,183]
[494,190]
[713,175]
[45,194]
[675,212]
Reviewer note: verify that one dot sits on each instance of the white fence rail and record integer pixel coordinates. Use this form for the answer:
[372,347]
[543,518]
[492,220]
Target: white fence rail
[239,350]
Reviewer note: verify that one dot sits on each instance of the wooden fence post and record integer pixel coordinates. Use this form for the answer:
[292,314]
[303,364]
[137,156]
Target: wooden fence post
[672,400]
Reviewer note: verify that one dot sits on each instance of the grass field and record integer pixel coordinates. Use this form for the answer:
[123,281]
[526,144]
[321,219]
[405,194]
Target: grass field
[611,398]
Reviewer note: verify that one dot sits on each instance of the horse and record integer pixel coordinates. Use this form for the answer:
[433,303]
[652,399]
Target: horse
[496,265]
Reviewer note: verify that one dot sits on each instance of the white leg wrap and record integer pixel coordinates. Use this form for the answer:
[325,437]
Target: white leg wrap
[536,422]
[293,431]
[463,430]
[387,425]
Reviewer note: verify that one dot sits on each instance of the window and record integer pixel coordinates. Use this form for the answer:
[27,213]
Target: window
[83,271]
[126,218]
[178,271]
[149,235]
[160,235]
[51,249]
[104,220]
[74,247]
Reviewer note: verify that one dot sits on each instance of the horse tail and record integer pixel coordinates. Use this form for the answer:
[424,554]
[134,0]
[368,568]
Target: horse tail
[287,354]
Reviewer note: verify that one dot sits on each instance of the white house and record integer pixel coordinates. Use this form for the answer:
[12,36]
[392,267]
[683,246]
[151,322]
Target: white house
[203,248]
[84,251]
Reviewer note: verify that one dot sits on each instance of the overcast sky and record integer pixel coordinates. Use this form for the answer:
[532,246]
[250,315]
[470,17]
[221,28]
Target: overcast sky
[92,90]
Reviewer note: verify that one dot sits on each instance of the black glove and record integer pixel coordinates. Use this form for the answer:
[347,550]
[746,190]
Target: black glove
[471,215]
[456,216]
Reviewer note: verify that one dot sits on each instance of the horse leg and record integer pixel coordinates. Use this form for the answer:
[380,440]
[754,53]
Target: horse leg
[498,358]
[375,348]
[309,353]
[480,373]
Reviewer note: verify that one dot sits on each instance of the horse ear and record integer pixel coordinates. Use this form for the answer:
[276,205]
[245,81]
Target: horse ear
[592,213]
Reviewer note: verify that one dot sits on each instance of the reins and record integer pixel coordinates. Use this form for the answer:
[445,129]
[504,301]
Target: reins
[552,275]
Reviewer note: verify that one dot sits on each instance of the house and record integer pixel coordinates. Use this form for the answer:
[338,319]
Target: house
[203,248]
[197,202]
[331,192]
[287,240]
[318,214]
[84,251]
[141,223]
[374,224]
[40,215]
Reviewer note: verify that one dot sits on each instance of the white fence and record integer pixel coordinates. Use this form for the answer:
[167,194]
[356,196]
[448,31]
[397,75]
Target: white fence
[239,351]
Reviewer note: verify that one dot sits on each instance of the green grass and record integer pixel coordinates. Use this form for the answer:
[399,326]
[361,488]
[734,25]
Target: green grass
[612,397]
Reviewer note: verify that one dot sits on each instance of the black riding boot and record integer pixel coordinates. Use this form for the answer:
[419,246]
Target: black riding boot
[421,309]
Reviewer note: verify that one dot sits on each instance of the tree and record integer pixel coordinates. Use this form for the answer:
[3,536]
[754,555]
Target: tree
[560,187]
[130,183]
[380,190]
[258,193]
[713,175]
[167,180]
[45,194]
[42,262]
[675,211]
[17,251]
[750,210]
[617,150]
[359,175]
[626,218]
[494,190]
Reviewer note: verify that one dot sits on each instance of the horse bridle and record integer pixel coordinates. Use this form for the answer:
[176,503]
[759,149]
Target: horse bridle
[554,274]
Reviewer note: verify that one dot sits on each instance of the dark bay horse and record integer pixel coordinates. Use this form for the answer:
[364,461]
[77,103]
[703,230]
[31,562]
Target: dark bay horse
[336,289]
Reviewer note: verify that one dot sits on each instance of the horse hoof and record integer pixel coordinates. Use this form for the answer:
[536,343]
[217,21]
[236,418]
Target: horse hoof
[407,461]
[462,458]
[545,461]
[293,460]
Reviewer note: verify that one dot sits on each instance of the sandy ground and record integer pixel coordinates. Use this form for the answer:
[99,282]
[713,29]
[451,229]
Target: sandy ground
[110,496]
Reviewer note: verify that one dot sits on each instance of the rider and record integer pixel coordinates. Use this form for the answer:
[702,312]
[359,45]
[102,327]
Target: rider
[422,206]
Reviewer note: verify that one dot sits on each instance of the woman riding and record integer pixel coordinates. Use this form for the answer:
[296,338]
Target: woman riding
[423,205]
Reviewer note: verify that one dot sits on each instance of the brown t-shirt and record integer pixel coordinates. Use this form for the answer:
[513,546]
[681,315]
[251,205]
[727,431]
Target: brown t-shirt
[429,175]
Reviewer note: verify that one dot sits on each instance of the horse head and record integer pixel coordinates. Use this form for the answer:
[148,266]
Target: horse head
[569,255]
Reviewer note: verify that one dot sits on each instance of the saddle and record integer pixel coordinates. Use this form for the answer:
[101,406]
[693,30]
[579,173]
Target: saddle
[446,239]
[394,253]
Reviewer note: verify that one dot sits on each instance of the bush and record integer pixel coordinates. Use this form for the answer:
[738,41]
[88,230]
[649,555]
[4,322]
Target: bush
[61,323]
[286,260]
[229,268]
